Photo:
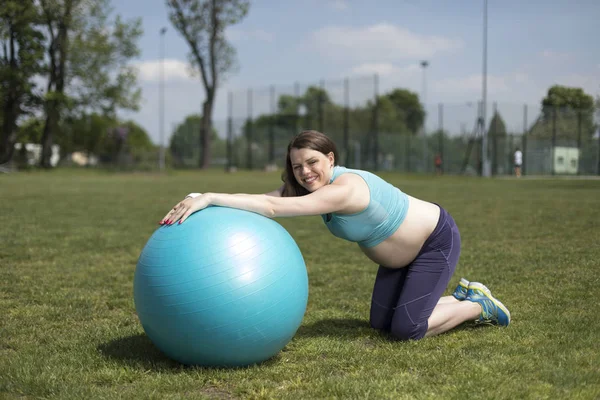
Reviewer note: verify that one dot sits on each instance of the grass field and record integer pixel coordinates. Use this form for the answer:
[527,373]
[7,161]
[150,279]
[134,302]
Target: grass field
[69,242]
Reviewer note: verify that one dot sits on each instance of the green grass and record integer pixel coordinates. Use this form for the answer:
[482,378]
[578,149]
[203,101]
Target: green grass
[69,242]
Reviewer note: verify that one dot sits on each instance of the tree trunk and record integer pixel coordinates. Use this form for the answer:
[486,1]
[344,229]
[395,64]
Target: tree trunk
[52,116]
[9,134]
[205,132]
[11,109]
[53,109]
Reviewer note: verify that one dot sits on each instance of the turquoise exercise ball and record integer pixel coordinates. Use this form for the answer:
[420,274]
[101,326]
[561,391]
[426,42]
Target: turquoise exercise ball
[225,288]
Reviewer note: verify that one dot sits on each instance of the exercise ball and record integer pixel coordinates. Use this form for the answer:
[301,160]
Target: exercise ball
[225,288]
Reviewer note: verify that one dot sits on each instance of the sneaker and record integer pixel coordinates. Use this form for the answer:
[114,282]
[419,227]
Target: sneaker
[492,310]
[460,293]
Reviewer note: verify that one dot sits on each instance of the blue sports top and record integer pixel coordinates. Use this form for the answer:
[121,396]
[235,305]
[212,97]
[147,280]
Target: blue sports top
[386,210]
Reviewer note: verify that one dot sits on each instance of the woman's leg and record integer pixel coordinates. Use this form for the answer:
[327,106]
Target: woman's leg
[447,300]
[449,315]
[420,310]
[386,291]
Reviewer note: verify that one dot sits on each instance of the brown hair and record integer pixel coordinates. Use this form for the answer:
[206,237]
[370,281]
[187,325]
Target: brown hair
[313,140]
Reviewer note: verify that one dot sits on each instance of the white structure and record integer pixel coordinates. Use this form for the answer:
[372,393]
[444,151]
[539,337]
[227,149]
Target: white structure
[565,160]
[34,153]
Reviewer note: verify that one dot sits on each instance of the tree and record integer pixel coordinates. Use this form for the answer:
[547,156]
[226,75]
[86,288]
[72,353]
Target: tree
[202,23]
[87,63]
[497,135]
[58,16]
[183,145]
[563,96]
[99,61]
[567,113]
[409,107]
[22,59]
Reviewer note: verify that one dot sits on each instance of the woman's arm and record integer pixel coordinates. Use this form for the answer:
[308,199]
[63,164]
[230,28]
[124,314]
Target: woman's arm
[328,199]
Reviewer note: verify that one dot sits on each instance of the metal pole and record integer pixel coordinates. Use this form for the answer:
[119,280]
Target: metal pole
[249,131]
[524,140]
[441,128]
[321,105]
[229,132]
[161,101]
[346,121]
[484,155]
[272,128]
[578,139]
[376,122]
[553,137]
[424,65]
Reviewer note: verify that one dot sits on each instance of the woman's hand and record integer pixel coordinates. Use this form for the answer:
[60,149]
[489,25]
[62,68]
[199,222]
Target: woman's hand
[185,208]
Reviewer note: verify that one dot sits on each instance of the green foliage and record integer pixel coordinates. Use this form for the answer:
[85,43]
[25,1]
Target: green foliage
[497,126]
[562,97]
[408,108]
[184,145]
[22,58]
[30,130]
[101,51]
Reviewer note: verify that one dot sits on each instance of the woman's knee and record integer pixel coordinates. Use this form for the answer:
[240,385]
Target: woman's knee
[407,330]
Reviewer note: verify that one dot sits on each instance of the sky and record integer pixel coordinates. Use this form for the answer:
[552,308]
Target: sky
[531,46]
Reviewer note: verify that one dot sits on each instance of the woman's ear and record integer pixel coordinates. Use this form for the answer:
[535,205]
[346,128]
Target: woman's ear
[331,157]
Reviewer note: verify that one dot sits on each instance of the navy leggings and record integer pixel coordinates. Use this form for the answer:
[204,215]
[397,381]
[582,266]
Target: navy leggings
[404,298]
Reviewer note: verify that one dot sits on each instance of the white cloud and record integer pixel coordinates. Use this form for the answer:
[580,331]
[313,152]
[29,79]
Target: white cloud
[238,35]
[384,70]
[551,55]
[379,43]
[340,5]
[473,84]
[174,70]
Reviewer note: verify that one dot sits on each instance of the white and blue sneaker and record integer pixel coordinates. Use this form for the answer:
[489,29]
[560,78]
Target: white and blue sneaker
[460,293]
[492,310]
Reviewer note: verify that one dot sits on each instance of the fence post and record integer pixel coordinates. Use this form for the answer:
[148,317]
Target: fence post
[441,130]
[272,128]
[321,112]
[346,120]
[376,123]
[407,152]
[249,132]
[495,142]
[524,140]
[578,139]
[553,137]
[229,132]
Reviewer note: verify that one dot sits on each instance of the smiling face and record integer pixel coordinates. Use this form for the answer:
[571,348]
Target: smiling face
[312,169]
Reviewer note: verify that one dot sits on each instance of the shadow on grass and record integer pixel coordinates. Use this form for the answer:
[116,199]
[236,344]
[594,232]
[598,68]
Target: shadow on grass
[336,327]
[347,328]
[139,351]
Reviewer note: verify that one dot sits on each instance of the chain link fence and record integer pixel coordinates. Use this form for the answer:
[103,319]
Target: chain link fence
[389,131]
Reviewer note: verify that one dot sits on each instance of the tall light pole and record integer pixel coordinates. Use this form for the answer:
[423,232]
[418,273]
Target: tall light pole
[485,168]
[424,65]
[161,100]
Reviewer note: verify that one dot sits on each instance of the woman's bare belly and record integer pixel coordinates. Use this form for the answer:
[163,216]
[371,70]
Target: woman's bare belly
[402,247]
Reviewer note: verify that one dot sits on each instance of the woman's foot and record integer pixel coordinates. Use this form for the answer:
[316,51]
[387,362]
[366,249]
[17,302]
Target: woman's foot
[492,310]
